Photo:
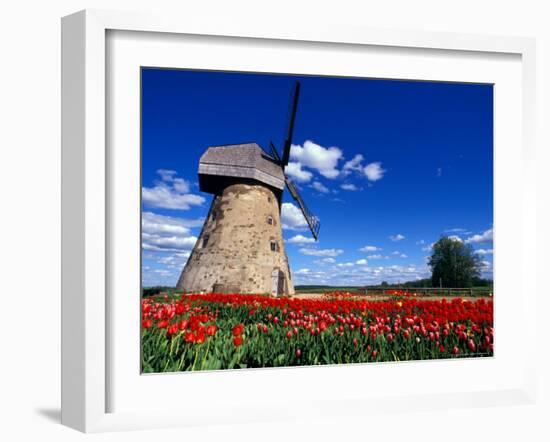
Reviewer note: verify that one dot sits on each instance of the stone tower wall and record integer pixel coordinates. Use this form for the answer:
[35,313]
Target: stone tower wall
[233,253]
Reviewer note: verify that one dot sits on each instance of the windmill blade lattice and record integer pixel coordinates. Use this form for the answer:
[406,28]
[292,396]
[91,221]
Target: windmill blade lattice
[312,221]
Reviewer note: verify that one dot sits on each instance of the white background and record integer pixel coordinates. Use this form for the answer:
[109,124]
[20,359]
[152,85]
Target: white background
[30,183]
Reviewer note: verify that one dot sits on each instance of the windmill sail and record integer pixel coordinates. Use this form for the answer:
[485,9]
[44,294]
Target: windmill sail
[274,152]
[290,128]
[312,220]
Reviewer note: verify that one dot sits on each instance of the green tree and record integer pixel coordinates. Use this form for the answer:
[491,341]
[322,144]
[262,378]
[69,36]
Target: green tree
[453,263]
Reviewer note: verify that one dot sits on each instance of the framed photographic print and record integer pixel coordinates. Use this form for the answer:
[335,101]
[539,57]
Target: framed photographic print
[232,281]
[244,206]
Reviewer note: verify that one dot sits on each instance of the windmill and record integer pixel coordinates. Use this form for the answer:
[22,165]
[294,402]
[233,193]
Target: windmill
[240,248]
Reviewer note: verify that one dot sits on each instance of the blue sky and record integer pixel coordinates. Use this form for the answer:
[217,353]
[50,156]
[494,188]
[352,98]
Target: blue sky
[388,167]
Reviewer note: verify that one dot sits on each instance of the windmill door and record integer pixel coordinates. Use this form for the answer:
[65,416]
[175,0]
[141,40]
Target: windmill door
[277,282]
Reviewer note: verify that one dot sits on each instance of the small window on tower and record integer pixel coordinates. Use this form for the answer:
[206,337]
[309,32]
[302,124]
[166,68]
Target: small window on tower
[214,215]
[268,199]
[273,245]
[205,241]
[270,220]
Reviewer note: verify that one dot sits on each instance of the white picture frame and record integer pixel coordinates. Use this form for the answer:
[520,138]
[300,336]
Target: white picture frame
[85,214]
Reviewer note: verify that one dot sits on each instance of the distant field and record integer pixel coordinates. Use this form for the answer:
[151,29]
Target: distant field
[389,291]
[474,292]
[325,289]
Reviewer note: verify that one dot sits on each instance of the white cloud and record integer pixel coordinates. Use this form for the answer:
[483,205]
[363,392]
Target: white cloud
[166,198]
[369,249]
[484,251]
[399,254]
[172,243]
[455,238]
[396,273]
[377,256]
[174,261]
[428,248]
[319,187]
[397,237]
[170,193]
[308,276]
[374,171]
[486,267]
[351,187]
[181,186]
[295,171]
[355,163]
[486,236]
[439,172]
[162,224]
[325,261]
[345,264]
[456,230]
[166,175]
[322,159]
[161,233]
[292,217]
[163,267]
[321,252]
[420,242]
[300,239]
[361,262]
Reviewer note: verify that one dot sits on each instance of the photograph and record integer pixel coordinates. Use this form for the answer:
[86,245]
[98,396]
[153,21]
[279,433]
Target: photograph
[302,220]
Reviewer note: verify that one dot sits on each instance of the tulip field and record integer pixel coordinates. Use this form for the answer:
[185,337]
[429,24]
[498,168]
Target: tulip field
[233,331]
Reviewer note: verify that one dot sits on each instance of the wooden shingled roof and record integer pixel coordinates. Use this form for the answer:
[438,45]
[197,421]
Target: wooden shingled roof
[248,161]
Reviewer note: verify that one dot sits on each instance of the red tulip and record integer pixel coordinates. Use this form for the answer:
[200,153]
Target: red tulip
[200,338]
[172,330]
[237,340]
[238,329]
